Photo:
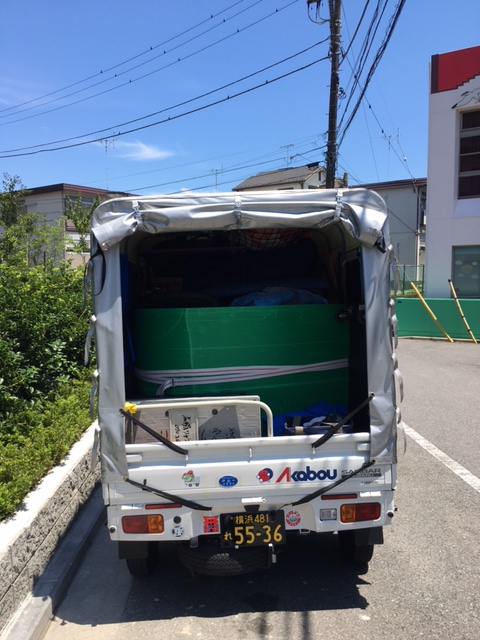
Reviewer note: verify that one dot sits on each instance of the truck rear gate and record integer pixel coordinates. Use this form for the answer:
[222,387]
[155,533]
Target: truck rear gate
[246,373]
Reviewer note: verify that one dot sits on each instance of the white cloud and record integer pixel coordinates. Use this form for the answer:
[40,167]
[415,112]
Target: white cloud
[139,151]
[16,92]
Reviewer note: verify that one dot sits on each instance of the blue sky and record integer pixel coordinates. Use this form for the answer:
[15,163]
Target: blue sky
[155,97]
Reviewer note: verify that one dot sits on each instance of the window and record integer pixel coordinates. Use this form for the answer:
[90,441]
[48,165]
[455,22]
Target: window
[466,271]
[469,165]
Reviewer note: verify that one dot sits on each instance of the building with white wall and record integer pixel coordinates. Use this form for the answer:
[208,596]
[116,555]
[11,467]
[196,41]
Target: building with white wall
[405,200]
[406,205]
[452,246]
[51,201]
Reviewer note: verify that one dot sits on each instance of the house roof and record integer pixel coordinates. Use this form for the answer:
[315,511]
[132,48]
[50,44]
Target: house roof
[392,184]
[75,188]
[280,176]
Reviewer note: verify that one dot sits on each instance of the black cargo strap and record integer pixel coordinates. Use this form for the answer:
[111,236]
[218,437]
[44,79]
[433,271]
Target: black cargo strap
[320,492]
[336,427]
[154,434]
[168,496]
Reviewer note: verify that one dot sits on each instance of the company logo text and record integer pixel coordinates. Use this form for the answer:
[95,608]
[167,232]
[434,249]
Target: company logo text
[306,475]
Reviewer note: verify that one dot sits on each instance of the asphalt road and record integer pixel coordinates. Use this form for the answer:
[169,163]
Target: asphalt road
[423,582]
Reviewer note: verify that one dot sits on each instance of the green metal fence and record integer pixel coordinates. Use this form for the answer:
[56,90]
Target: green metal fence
[407,273]
[415,321]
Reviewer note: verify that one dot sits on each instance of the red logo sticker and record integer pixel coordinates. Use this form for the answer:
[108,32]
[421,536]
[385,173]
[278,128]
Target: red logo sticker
[210,524]
[293,518]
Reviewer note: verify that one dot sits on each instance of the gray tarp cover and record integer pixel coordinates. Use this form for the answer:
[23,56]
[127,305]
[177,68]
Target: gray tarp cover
[360,212]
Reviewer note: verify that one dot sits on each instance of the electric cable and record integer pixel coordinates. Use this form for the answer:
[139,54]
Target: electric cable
[205,175]
[37,148]
[358,69]
[135,57]
[378,57]
[146,75]
[180,104]
[352,39]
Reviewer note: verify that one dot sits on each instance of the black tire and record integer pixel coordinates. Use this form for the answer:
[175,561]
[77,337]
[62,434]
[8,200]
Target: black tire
[143,567]
[355,553]
[211,560]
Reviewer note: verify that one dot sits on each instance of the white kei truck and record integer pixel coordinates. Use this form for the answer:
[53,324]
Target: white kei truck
[246,374]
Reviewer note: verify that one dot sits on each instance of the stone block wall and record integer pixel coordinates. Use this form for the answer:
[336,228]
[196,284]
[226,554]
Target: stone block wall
[29,539]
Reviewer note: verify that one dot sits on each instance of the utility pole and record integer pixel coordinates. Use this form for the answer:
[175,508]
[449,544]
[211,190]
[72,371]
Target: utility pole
[331,154]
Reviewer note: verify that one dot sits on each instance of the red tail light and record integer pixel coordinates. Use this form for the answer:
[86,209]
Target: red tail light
[143,524]
[360,512]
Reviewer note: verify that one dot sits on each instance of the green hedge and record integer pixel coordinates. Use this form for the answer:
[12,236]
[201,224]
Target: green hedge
[44,387]
[26,455]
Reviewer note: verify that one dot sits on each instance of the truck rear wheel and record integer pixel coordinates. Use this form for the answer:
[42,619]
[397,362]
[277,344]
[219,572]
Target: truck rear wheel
[211,560]
[353,551]
[143,564]
[140,567]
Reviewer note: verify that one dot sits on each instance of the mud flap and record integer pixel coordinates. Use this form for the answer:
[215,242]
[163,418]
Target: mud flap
[358,544]
[363,537]
[130,550]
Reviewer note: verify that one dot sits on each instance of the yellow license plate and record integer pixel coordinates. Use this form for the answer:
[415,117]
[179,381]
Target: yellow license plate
[252,529]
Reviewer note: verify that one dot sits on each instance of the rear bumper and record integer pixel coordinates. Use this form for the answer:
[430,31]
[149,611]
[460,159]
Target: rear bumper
[321,515]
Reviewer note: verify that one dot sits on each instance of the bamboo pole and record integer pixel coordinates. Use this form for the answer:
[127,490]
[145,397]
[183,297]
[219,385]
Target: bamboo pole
[432,315]
[454,293]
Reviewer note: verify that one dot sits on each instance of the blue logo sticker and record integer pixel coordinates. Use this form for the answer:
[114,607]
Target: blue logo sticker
[228,481]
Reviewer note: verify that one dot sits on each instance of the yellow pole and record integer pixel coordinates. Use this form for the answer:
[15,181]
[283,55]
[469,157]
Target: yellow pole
[433,316]
[454,293]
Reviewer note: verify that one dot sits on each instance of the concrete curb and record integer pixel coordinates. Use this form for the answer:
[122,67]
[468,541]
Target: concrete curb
[32,618]
[56,520]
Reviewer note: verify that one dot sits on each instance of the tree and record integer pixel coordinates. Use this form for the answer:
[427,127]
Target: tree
[11,200]
[15,227]
[26,237]
[80,215]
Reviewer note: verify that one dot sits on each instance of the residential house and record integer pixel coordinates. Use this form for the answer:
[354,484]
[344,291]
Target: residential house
[51,201]
[310,176]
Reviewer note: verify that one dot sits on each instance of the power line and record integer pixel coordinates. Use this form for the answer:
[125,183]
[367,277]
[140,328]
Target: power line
[299,144]
[234,168]
[352,39]
[376,61]
[135,57]
[384,135]
[31,150]
[146,75]
[358,68]
[205,175]
[172,118]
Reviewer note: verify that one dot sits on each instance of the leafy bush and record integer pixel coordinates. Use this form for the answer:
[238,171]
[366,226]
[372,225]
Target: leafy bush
[44,387]
[26,457]
[42,333]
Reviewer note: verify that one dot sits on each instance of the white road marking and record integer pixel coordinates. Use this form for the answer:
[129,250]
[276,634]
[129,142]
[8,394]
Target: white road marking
[437,453]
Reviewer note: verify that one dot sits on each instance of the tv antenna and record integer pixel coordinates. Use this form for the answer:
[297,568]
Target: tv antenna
[107,142]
